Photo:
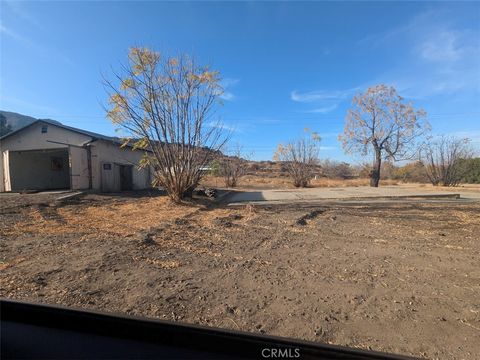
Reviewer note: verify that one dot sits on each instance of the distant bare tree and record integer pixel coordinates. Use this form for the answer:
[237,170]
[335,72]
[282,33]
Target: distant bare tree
[300,157]
[380,122]
[166,105]
[232,167]
[443,159]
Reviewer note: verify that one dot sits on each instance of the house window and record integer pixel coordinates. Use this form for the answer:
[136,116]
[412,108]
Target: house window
[107,166]
[56,163]
[44,129]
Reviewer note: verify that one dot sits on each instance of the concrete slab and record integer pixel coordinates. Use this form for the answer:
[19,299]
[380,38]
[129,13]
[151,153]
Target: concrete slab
[312,194]
[46,192]
[70,196]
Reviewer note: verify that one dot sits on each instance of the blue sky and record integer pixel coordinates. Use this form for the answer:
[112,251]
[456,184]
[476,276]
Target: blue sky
[286,65]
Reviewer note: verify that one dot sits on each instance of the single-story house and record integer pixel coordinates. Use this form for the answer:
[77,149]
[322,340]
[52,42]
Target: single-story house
[48,155]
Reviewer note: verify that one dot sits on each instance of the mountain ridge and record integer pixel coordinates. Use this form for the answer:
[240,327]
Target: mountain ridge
[17,120]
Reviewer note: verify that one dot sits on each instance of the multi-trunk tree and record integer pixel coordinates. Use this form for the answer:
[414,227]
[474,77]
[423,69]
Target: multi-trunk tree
[165,105]
[300,157]
[446,159]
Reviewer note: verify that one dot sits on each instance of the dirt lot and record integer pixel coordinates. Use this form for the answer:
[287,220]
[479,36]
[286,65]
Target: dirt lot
[401,278]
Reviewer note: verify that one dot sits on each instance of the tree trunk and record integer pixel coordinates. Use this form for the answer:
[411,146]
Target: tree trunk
[375,173]
[188,193]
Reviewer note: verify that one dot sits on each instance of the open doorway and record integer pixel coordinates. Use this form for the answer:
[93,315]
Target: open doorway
[126,177]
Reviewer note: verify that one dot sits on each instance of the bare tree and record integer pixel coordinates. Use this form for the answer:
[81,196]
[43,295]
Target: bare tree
[380,122]
[166,104]
[443,159]
[300,157]
[233,167]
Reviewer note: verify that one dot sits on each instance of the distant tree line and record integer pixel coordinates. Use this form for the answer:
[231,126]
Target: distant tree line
[467,170]
[464,170]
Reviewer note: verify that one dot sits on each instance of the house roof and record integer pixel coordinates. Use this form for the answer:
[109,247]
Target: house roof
[93,135]
[60,125]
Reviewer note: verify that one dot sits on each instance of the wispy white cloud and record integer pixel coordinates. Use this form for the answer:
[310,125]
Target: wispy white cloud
[328,148]
[230,128]
[254,120]
[440,57]
[227,127]
[333,135]
[35,46]
[18,9]
[323,110]
[14,35]
[319,95]
[227,84]
[227,96]
[324,101]
[8,102]
[376,40]
[443,47]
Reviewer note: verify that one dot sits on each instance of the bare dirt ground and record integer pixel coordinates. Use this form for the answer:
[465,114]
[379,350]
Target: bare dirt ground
[400,277]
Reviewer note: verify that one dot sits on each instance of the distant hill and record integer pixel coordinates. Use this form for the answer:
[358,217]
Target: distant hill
[17,121]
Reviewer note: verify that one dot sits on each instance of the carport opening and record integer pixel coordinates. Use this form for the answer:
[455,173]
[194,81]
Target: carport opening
[39,169]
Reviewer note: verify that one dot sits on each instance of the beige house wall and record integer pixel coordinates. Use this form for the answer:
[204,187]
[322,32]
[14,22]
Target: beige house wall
[107,152]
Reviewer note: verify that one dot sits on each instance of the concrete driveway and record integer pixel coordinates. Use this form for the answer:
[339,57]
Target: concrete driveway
[293,195]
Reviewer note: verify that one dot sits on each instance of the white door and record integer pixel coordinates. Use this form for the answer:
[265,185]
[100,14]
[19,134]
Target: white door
[110,177]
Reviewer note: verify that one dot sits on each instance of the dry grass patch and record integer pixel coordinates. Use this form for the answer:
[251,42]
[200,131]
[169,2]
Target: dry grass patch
[466,217]
[120,219]
[275,182]
[324,182]
[6,265]
[170,225]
